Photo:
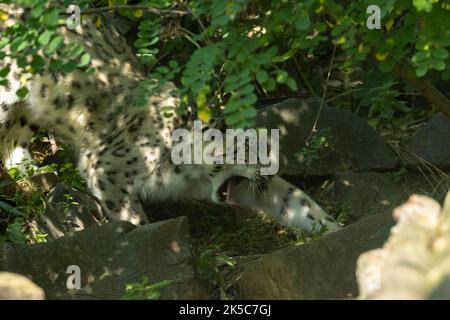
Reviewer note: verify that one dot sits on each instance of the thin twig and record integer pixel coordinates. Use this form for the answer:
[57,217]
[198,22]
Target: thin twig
[322,103]
[342,94]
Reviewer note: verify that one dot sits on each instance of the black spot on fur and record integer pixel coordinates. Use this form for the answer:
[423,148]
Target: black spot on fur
[58,102]
[110,205]
[55,75]
[76,85]
[91,126]
[131,161]
[71,101]
[101,185]
[34,127]
[23,121]
[44,90]
[91,104]
[119,152]
[114,137]
[111,180]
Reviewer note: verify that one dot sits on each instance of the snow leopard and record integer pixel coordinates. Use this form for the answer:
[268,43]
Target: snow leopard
[123,151]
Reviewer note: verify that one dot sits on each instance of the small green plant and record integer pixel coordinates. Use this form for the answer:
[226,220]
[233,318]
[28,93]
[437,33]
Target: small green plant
[68,173]
[18,230]
[26,204]
[383,104]
[221,240]
[319,145]
[210,263]
[144,290]
[68,203]
[15,231]
[399,175]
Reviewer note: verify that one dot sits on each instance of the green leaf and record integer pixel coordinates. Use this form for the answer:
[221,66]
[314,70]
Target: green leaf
[421,70]
[15,233]
[54,45]
[282,76]
[162,69]
[51,18]
[19,44]
[22,92]
[84,60]
[437,64]
[292,84]
[440,53]
[3,42]
[141,43]
[285,56]
[55,65]
[262,76]
[69,66]
[5,71]
[173,64]
[386,65]
[44,38]
[37,11]
[37,64]
[72,51]
[89,71]
[423,5]
[303,22]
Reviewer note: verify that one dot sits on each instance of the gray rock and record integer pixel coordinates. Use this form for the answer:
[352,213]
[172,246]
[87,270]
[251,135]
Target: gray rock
[432,142]
[366,193]
[109,256]
[354,142]
[45,181]
[7,184]
[414,262]
[69,209]
[321,269]
[17,287]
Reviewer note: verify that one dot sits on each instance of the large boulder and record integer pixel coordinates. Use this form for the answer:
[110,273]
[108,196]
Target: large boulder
[321,269]
[109,257]
[415,262]
[354,143]
[17,287]
[361,194]
[431,143]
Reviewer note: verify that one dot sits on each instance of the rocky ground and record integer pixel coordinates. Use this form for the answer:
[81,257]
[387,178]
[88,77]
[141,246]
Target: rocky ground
[348,168]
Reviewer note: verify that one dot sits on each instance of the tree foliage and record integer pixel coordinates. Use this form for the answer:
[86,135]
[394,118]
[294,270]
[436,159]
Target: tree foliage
[225,54]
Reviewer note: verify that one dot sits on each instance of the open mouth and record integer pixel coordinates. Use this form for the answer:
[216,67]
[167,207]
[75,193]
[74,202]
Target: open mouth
[226,190]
